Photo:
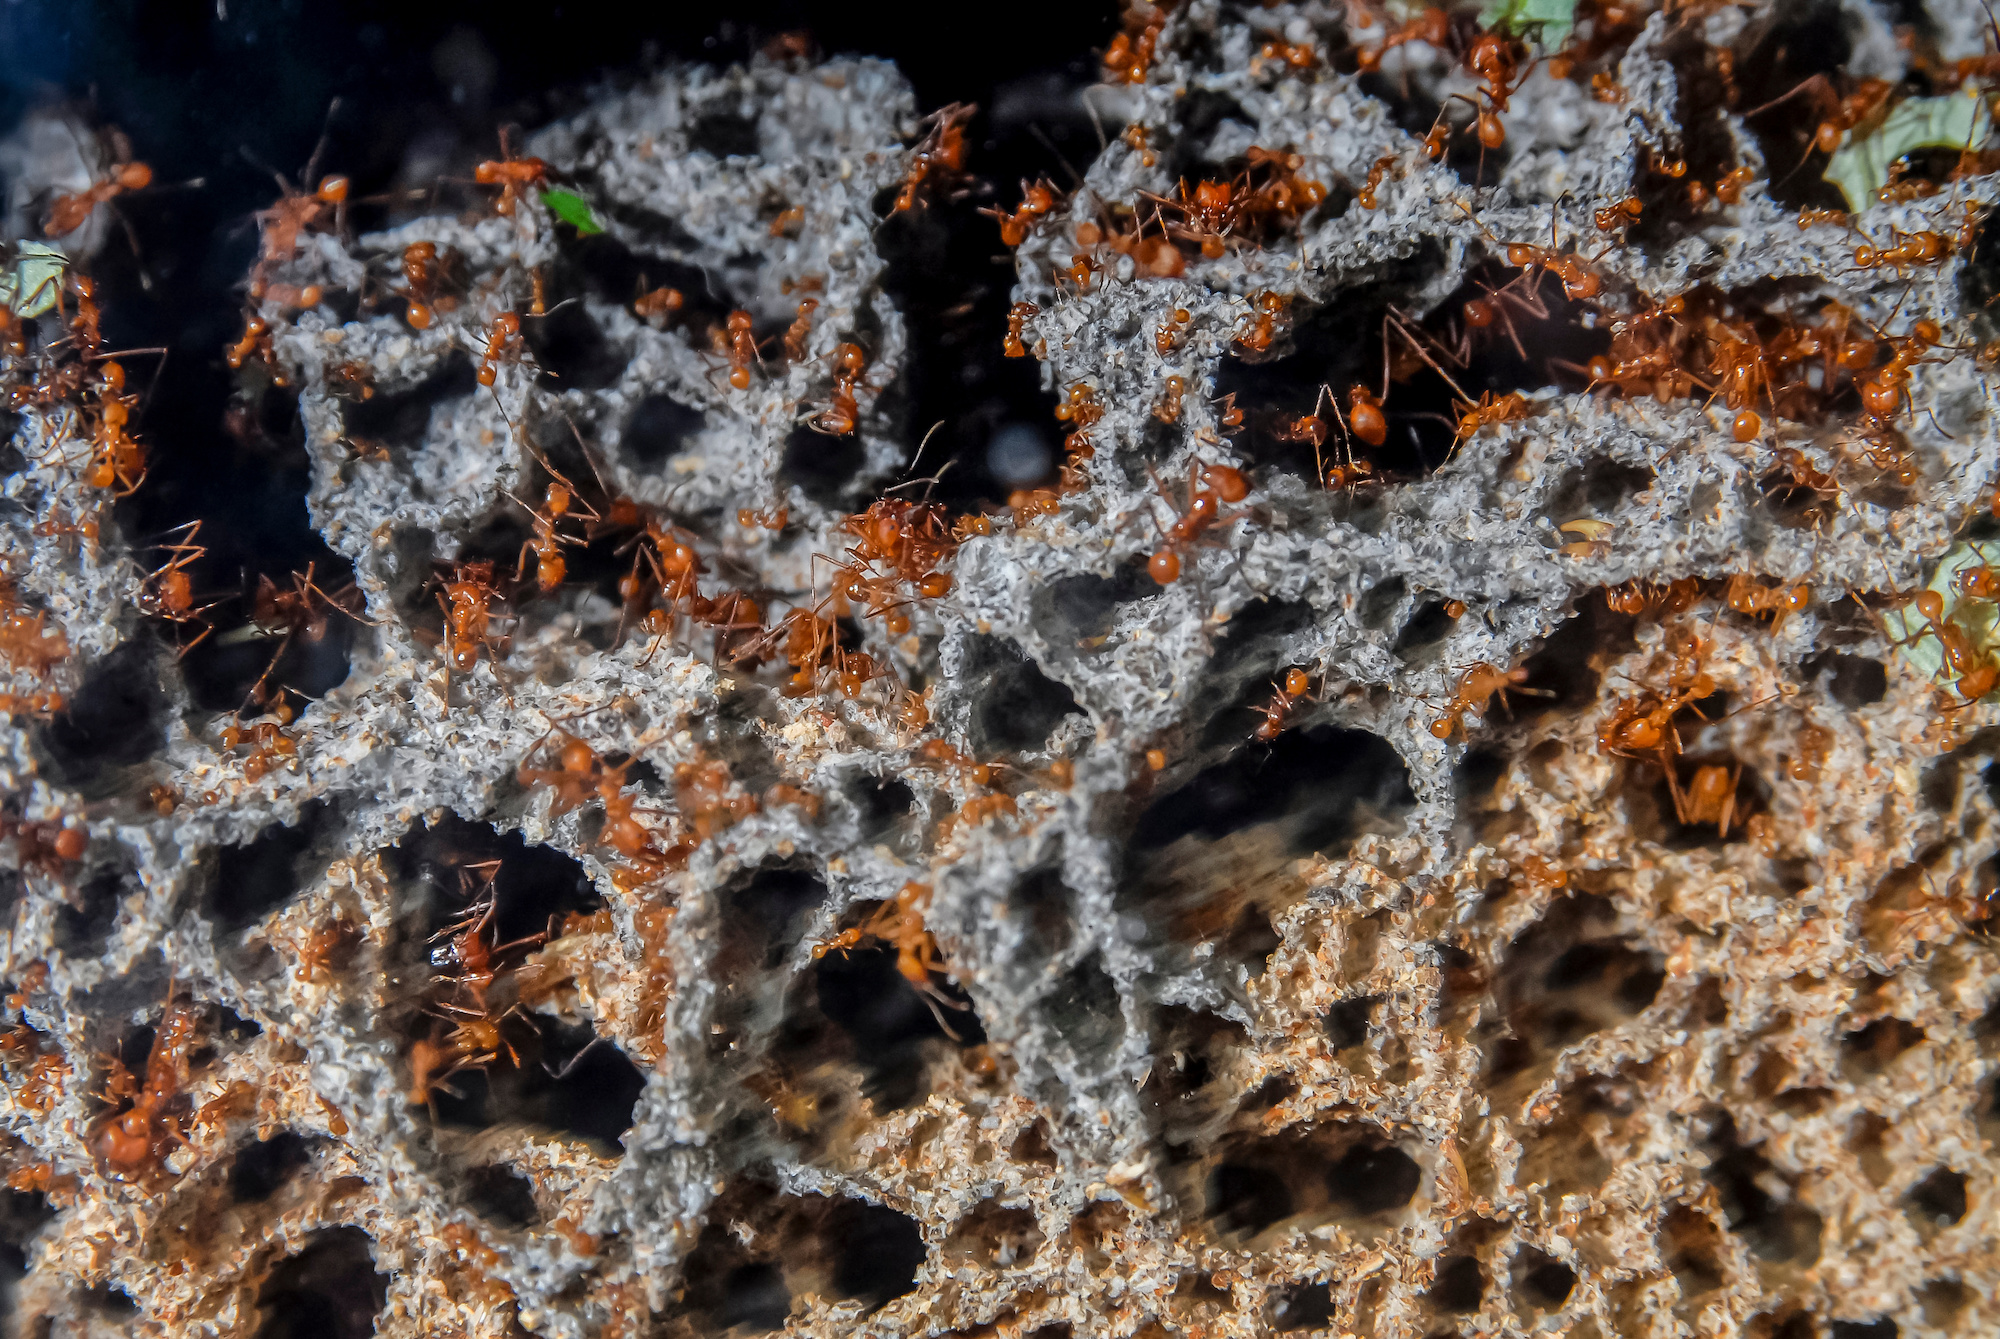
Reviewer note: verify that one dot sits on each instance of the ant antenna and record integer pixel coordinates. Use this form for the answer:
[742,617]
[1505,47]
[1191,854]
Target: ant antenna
[924,443]
[325,134]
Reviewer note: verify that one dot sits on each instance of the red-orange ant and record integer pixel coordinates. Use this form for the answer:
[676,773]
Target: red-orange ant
[168,592]
[941,151]
[133,1140]
[1477,686]
[1208,487]
[514,176]
[69,212]
[467,604]
[294,213]
[1284,699]
[842,416]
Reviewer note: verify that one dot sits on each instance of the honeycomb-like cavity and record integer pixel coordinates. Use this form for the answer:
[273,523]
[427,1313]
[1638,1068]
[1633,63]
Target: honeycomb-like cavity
[1510,881]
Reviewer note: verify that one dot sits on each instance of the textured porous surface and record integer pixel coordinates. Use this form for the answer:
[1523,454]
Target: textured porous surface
[1373,1028]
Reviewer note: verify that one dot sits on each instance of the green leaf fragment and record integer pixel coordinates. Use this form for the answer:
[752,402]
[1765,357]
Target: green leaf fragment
[1978,619]
[31,286]
[1551,19]
[573,210]
[1860,167]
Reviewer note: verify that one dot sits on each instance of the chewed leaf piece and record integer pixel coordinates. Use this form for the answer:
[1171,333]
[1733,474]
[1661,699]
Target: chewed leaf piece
[1550,20]
[1978,619]
[574,210]
[31,286]
[1860,167]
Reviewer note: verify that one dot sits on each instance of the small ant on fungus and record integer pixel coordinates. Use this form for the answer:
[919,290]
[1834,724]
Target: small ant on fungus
[1284,699]
[168,593]
[658,306]
[25,640]
[842,416]
[900,924]
[1130,53]
[1017,316]
[1477,687]
[145,1124]
[294,213]
[1365,417]
[1036,200]
[799,333]
[1748,596]
[467,604]
[1208,487]
[422,273]
[1709,798]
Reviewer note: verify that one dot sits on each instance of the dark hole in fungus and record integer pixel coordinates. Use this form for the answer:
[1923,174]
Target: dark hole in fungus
[1380,602]
[532,886]
[1857,681]
[1018,704]
[1426,629]
[1325,785]
[329,1290]
[1707,145]
[822,467]
[1047,904]
[223,670]
[1943,1301]
[994,1235]
[763,915]
[724,134]
[257,878]
[1793,44]
[1571,661]
[1872,1049]
[984,413]
[1031,1147]
[499,1194]
[1347,1022]
[1085,606]
[888,1027]
[22,1214]
[258,1169]
[754,1298]
[109,1301]
[1775,1230]
[1373,1178]
[115,720]
[1596,488]
[613,272]
[1979,280]
[1562,979]
[659,426]
[882,801]
[879,1251]
[85,918]
[1303,1306]
[1940,1197]
[1546,1282]
[401,419]
[569,1080]
[1459,1285]
[1084,1008]
[1862,1329]
[573,351]
[1247,1199]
